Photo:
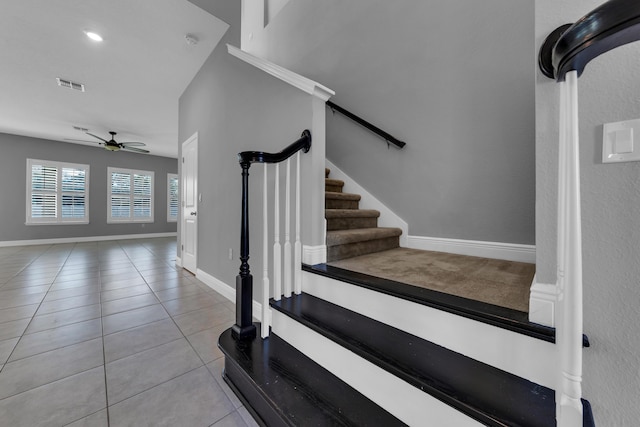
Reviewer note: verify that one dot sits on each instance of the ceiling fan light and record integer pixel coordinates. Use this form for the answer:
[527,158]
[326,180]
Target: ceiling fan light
[112,147]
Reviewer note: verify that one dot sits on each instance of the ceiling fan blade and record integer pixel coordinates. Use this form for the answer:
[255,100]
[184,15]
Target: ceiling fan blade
[137,150]
[96,136]
[133,143]
[81,140]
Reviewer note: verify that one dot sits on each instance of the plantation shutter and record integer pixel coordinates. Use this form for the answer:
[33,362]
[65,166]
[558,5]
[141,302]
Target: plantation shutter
[44,189]
[73,193]
[172,198]
[120,195]
[57,192]
[130,196]
[142,196]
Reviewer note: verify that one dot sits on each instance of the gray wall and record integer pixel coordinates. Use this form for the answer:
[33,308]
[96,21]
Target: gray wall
[16,149]
[609,91]
[235,107]
[454,79]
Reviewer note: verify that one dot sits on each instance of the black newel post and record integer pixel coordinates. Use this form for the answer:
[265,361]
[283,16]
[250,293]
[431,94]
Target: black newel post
[244,329]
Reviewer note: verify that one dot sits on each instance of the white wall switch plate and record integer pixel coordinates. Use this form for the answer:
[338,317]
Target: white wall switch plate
[618,143]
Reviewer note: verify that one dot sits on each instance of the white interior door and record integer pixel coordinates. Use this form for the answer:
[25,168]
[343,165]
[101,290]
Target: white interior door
[189,179]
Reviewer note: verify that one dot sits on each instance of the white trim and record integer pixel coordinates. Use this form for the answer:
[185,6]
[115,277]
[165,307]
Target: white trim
[496,250]
[226,290]
[294,79]
[178,262]
[527,357]
[9,243]
[542,302]
[377,384]
[313,255]
[387,218]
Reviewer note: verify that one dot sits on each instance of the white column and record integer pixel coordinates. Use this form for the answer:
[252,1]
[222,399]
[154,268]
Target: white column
[264,330]
[252,23]
[277,250]
[569,330]
[287,234]
[297,247]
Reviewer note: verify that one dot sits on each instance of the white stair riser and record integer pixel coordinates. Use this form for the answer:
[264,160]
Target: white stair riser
[406,402]
[509,351]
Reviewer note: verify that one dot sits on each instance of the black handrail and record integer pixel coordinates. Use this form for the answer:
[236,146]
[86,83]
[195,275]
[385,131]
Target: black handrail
[572,46]
[244,329]
[388,137]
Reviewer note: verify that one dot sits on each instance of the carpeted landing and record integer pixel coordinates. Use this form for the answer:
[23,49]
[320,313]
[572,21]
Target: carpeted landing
[498,282]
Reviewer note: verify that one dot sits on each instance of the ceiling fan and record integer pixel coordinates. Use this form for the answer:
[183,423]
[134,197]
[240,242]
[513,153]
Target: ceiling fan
[113,145]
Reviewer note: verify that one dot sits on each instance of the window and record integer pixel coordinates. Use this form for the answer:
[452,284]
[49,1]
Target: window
[130,196]
[57,193]
[173,200]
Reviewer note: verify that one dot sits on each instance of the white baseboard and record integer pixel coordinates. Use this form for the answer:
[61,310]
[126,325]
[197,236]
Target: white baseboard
[496,250]
[227,291]
[542,303]
[313,255]
[9,243]
[387,218]
[179,262]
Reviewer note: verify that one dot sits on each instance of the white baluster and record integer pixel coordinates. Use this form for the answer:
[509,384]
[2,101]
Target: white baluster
[277,250]
[287,237]
[569,408]
[297,248]
[264,332]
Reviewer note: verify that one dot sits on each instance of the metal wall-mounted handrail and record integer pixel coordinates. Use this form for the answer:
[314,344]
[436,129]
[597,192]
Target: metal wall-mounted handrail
[362,122]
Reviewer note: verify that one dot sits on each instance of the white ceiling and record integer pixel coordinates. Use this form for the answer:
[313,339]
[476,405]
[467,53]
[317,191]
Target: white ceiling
[133,79]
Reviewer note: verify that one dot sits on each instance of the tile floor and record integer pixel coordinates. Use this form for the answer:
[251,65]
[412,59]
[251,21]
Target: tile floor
[110,334]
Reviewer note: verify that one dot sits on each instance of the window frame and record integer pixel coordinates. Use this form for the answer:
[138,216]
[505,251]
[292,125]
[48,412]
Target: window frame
[131,219]
[59,193]
[171,176]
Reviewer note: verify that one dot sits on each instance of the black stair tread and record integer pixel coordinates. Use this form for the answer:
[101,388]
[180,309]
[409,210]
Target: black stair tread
[502,317]
[342,237]
[351,213]
[298,391]
[491,396]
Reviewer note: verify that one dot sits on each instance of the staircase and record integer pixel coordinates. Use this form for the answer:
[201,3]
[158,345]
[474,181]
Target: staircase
[352,231]
[357,350]
[353,350]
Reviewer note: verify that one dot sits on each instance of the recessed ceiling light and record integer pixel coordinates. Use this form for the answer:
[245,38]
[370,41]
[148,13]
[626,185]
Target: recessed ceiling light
[93,36]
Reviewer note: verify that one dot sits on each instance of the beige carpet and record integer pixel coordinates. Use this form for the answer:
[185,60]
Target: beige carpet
[498,282]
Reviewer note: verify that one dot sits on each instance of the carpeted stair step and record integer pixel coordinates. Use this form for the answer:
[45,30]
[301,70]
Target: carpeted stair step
[482,392]
[336,200]
[334,185]
[349,243]
[347,219]
[283,387]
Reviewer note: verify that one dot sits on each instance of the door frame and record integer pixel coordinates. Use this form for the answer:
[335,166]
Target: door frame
[193,139]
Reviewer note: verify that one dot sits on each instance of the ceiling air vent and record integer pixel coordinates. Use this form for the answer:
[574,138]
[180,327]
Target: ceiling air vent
[70,84]
[81,129]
